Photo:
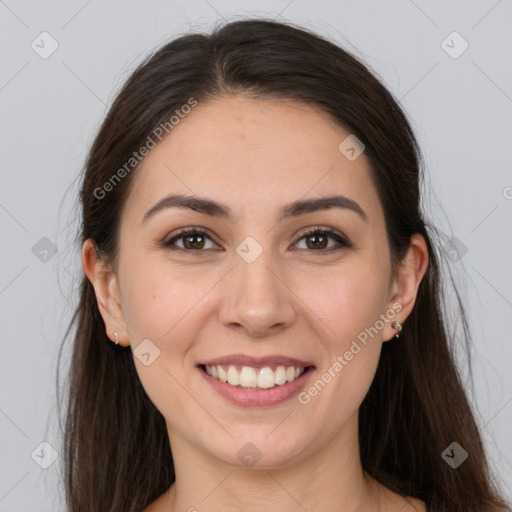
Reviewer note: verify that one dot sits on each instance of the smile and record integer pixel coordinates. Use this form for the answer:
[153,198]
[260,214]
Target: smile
[250,386]
[249,377]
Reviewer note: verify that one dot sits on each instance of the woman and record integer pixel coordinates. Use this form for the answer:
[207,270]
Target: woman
[261,324]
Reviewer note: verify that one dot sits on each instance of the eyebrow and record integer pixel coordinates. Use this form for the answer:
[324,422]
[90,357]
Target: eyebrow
[215,209]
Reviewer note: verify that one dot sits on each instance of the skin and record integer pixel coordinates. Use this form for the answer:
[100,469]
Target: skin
[295,299]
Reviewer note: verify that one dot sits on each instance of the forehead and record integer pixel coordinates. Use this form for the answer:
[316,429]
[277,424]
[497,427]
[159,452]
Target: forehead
[253,154]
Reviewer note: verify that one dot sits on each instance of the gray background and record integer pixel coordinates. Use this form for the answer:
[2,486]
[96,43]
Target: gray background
[460,107]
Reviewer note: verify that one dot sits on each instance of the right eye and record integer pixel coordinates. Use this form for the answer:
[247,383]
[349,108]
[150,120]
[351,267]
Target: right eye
[193,240]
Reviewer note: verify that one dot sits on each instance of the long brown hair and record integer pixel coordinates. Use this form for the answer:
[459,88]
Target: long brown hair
[116,454]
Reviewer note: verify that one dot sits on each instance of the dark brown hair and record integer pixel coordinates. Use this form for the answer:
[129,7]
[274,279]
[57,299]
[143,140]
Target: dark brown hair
[117,456]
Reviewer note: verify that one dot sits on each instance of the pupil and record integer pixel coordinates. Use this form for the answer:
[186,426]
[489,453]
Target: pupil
[192,237]
[316,237]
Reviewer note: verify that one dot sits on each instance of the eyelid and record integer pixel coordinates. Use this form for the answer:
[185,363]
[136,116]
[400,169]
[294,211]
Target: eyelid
[329,231]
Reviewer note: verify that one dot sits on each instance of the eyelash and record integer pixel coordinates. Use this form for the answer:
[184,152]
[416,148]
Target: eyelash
[342,241]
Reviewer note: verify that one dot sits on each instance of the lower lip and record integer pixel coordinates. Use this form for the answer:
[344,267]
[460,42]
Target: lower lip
[256,397]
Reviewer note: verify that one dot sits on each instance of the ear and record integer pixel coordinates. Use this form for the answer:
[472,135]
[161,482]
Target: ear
[404,288]
[106,287]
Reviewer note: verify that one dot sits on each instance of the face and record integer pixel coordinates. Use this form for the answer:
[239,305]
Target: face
[253,283]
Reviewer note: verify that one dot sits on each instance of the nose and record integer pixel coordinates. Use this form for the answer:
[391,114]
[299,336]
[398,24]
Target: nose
[257,299]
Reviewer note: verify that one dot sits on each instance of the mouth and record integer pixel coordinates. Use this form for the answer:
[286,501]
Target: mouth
[250,377]
[256,386]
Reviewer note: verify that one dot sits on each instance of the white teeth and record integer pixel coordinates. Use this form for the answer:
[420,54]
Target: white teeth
[233,376]
[223,376]
[249,377]
[266,378]
[280,375]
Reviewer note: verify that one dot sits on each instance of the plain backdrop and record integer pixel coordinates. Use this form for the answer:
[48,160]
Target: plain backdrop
[449,64]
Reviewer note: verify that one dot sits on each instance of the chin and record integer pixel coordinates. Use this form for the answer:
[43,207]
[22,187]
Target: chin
[258,452]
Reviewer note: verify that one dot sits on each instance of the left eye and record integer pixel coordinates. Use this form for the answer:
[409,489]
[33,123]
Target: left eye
[194,239]
[324,235]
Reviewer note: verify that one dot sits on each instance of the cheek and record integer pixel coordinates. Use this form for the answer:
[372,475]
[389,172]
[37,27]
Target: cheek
[159,302]
[347,310]
[162,308]
[347,304]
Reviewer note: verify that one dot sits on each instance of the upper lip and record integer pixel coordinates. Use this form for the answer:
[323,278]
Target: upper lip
[246,360]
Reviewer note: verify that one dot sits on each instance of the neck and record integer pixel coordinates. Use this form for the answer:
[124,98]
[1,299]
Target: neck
[329,478]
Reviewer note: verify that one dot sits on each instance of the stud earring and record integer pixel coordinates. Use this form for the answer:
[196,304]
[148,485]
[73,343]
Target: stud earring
[398,327]
[117,338]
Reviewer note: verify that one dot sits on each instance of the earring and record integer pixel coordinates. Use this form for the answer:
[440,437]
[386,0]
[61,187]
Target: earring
[117,338]
[398,327]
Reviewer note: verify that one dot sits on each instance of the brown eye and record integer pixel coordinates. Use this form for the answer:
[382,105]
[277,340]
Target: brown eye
[193,240]
[317,240]
[320,239]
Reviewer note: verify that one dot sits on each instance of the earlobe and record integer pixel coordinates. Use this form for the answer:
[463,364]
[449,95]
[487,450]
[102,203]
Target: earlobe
[405,286]
[104,281]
